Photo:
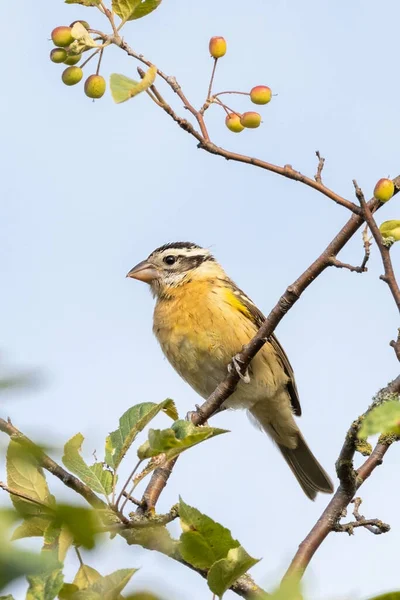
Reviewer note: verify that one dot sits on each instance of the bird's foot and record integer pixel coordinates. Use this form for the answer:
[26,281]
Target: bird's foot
[236,364]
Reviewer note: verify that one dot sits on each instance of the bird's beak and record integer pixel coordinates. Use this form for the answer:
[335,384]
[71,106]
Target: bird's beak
[144,271]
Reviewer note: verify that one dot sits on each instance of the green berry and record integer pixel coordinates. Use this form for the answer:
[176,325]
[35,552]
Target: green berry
[384,190]
[58,55]
[84,23]
[233,123]
[73,59]
[95,86]
[62,37]
[250,120]
[260,94]
[72,75]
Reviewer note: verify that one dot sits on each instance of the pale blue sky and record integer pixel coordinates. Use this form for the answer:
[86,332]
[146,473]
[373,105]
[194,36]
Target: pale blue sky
[89,189]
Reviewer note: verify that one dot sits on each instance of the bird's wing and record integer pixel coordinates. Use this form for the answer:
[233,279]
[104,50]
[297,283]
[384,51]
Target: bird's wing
[258,319]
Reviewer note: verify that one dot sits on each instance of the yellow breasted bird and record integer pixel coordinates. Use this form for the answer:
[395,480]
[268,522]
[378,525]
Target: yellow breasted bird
[201,320]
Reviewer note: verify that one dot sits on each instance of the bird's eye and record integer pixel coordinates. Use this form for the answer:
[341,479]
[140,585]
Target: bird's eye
[169,260]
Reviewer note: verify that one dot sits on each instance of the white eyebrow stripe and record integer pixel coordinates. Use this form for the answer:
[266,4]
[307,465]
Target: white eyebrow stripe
[186,252]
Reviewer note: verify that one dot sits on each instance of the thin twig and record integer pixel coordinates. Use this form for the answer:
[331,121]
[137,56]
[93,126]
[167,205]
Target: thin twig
[212,79]
[132,499]
[89,58]
[389,276]
[99,63]
[396,345]
[375,526]
[135,468]
[231,92]
[341,265]
[110,16]
[79,557]
[367,247]
[321,162]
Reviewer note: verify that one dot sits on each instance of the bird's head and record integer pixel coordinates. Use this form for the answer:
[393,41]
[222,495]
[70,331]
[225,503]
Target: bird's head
[174,264]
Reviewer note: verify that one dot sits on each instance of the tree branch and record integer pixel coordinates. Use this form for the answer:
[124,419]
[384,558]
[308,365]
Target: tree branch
[48,463]
[389,276]
[206,144]
[350,481]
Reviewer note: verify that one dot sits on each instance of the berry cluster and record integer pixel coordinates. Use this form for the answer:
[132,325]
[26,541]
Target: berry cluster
[63,39]
[260,94]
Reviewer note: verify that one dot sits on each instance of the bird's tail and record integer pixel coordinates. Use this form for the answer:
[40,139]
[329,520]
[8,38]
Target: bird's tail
[307,470]
[305,467]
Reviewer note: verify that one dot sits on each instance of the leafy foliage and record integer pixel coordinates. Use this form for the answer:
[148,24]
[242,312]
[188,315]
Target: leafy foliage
[389,596]
[206,544]
[223,573]
[108,587]
[384,418]
[26,477]
[153,538]
[203,540]
[131,423]
[171,442]
[128,10]
[98,478]
[82,523]
[84,2]
[123,88]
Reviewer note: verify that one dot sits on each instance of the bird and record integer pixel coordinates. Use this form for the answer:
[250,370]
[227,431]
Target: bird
[201,320]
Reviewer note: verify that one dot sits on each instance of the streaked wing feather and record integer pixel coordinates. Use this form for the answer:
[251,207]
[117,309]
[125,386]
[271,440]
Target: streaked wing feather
[258,319]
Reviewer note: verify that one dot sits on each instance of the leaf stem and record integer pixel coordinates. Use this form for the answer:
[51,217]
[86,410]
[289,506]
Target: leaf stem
[126,485]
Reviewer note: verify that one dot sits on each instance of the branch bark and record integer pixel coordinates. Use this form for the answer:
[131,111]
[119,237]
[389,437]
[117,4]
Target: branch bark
[350,481]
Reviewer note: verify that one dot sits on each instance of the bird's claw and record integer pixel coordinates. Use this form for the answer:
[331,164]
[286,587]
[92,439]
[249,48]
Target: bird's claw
[236,361]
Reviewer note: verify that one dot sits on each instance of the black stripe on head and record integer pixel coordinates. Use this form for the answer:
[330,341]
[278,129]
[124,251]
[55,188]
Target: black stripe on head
[177,246]
[192,262]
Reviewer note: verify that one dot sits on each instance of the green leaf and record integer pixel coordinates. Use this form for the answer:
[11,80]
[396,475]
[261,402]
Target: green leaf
[106,588]
[390,229]
[25,476]
[64,543]
[226,571]
[123,88]
[128,10]
[84,2]
[389,596]
[8,597]
[141,596]
[131,423]
[85,577]
[144,8]
[384,418]
[171,442]
[82,523]
[152,538]
[45,586]
[125,8]
[31,527]
[14,563]
[96,476]
[289,589]
[203,541]
[67,591]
